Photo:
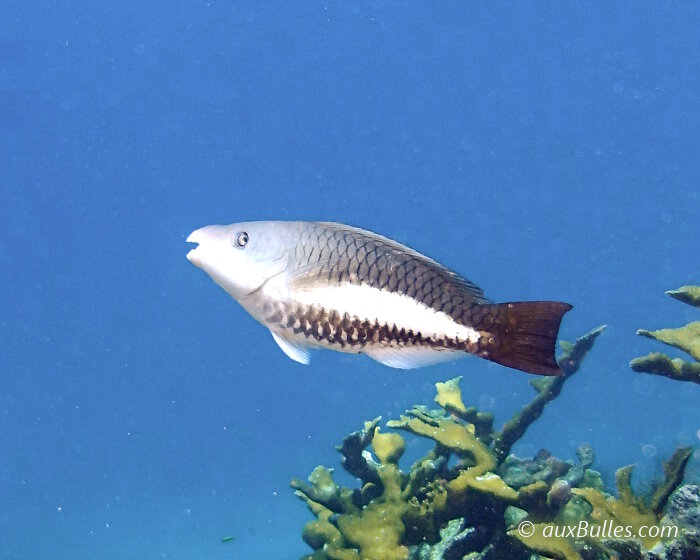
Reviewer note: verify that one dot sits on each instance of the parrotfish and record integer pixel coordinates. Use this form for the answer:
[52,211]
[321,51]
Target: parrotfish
[329,285]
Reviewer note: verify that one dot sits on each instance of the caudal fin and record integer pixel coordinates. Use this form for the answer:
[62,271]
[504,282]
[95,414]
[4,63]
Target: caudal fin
[525,334]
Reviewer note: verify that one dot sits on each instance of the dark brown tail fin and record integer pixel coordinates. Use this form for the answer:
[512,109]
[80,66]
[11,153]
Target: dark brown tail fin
[525,334]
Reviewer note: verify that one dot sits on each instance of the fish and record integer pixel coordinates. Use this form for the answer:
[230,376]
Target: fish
[333,286]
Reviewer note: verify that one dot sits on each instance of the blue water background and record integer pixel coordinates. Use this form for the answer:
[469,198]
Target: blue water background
[544,150]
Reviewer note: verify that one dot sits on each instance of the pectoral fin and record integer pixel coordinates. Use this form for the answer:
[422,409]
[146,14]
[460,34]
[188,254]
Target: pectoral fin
[294,351]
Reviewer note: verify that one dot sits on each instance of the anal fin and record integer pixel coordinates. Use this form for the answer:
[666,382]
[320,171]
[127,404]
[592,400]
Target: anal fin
[411,357]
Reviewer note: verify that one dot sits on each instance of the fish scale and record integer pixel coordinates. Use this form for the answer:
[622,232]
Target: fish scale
[387,266]
[322,284]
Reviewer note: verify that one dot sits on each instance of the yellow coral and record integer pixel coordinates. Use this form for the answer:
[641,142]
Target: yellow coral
[460,439]
[376,531]
[319,532]
[457,437]
[686,338]
[488,483]
[449,396]
[619,513]
[388,447]
[539,537]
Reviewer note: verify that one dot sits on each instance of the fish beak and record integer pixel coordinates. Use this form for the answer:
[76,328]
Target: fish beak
[198,236]
[207,239]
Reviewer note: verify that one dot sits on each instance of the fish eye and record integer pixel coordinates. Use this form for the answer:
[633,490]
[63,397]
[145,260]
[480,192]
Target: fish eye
[241,239]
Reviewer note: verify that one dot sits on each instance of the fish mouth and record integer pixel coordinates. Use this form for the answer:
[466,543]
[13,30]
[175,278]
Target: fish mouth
[196,238]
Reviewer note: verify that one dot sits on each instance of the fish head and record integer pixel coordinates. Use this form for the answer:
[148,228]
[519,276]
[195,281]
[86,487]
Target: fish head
[241,257]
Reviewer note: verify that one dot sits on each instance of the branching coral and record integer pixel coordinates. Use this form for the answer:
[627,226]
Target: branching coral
[466,497]
[686,339]
[362,524]
[548,388]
